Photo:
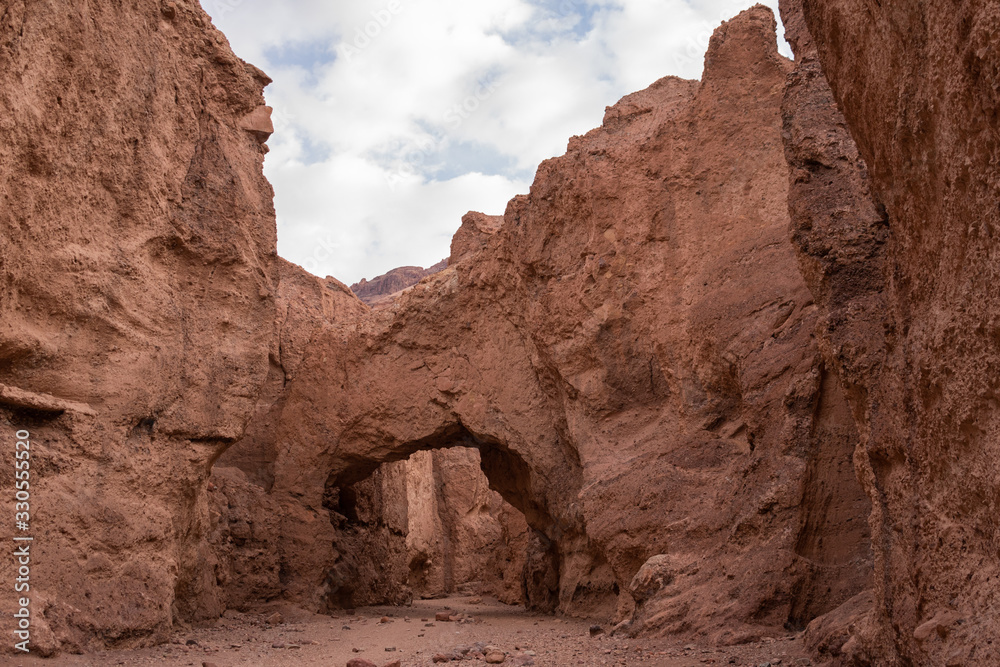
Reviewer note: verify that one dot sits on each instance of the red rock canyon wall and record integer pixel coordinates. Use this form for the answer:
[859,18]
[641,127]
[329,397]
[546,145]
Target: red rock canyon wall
[138,267]
[633,354]
[902,258]
[665,385]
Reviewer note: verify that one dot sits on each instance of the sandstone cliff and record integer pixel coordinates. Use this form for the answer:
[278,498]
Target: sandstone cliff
[632,348]
[382,287]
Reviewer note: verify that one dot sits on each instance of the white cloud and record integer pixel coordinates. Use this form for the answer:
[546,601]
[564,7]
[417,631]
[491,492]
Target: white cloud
[395,117]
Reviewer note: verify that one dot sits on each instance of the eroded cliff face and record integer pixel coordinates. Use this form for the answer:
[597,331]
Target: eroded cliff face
[241,566]
[909,298]
[631,349]
[633,354]
[138,263]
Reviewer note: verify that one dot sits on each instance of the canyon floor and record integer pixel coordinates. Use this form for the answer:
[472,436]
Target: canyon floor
[526,638]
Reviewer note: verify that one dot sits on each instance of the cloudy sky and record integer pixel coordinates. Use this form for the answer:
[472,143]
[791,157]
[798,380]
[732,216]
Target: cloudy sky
[395,117]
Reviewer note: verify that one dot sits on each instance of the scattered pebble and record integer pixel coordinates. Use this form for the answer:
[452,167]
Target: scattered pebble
[514,639]
[495,657]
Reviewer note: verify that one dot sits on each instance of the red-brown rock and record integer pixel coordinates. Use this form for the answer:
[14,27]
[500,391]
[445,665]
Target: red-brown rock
[137,246]
[632,352]
[462,536]
[473,235]
[360,662]
[381,288]
[630,348]
[913,335]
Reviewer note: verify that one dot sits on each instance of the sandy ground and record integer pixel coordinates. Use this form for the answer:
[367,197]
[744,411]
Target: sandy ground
[412,636]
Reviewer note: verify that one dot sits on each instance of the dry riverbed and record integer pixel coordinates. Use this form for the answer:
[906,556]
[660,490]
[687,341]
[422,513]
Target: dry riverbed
[413,636]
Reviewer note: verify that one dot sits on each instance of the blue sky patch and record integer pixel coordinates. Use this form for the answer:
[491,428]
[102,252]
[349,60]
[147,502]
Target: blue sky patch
[307,55]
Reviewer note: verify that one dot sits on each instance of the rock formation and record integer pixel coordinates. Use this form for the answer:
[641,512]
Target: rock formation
[418,526]
[473,235]
[462,535]
[662,359]
[632,353]
[379,289]
[901,256]
[138,266]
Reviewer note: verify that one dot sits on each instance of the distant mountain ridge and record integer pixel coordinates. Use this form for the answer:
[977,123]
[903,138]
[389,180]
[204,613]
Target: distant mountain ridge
[378,288]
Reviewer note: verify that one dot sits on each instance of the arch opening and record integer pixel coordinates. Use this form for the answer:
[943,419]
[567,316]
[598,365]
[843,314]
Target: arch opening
[435,524]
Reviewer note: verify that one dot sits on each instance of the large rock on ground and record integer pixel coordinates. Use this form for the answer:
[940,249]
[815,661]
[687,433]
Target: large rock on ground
[914,333]
[137,259]
[633,354]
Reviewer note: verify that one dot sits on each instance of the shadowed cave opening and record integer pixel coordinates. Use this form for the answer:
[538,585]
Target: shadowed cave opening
[426,527]
[451,514]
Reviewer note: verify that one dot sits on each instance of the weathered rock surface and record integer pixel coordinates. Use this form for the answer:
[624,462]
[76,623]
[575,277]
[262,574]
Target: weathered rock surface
[473,235]
[304,305]
[431,521]
[137,248]
[381,288]
[462,535]
[632,352]
[909,296]
[631,349]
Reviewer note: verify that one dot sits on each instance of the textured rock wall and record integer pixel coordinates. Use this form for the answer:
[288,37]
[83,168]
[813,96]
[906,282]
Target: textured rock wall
[242,567]
[630,349]
[462,535]
[473,235]
[304,305]
[137,260]
[840,230]
[909,294]
[633,354]
[429,525]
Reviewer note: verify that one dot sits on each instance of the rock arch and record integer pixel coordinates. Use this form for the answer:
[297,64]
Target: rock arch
[633,351]
[387,398]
